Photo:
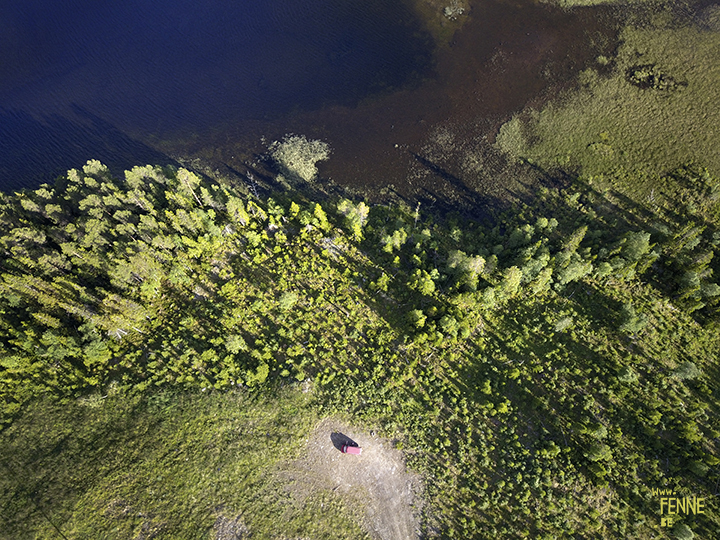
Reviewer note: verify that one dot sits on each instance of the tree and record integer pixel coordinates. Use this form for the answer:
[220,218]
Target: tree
[188,184]
[521,236]
[510,283]
[449,325]
[533,266]
[627,375]
[699,468]
[259,376]
[467,268]
[355,215]
[236,211]
[542,282]
[572,242]
[635,245]
[598,452]
[288,300]
[575,269]
[394,241]
[710,290]
[235,343]
[686,371]
[321,217]
[417,318]
[604,269]
[422,282]
[489,297]
[630,321]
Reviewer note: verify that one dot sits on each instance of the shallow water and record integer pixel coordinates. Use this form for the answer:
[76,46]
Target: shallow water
[159,71]
[137,82]
[434,140]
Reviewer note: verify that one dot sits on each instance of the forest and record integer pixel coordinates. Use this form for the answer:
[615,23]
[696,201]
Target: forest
[545,371]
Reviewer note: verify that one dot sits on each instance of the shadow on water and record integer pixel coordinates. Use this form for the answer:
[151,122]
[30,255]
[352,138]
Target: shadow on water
[362,76]
[36,151]
[466,201]
[164,72]
[434,141]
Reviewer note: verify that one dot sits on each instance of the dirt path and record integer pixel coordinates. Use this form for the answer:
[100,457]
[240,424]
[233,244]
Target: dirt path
[377,479]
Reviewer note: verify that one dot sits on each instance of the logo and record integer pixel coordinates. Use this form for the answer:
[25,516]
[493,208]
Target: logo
[672,506]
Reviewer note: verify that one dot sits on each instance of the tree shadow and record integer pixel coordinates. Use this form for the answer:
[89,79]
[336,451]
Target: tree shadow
[35,151]
[340,439]
[468,202]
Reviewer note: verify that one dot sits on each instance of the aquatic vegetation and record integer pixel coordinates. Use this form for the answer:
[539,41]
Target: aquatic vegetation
[652,77]
[569,4]
[297,157]
[442,18]
[454,10]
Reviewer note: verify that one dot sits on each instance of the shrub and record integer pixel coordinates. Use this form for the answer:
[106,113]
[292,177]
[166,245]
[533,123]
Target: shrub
[683,532]
[686,371]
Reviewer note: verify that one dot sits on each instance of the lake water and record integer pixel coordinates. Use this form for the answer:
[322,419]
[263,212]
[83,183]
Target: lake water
[135,82]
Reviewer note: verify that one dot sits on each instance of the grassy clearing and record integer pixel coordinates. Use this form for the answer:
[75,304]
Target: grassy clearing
[654,111]
[188,466]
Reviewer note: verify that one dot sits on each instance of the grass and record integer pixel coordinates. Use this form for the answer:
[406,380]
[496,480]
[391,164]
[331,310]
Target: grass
[638,133]
[167,466]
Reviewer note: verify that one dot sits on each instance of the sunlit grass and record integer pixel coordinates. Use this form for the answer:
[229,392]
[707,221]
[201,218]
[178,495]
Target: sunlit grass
[170,466]
[613,125]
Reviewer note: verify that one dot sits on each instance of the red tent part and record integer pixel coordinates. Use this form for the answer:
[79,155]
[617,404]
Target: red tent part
[347,449]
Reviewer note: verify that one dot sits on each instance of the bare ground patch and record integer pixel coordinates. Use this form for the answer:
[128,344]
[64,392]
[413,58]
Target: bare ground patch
[375,483]
[226,528]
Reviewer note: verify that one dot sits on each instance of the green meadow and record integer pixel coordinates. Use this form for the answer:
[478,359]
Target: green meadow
[636,117]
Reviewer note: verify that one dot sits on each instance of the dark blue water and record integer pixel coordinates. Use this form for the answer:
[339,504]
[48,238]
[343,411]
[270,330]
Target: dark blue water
[111,80]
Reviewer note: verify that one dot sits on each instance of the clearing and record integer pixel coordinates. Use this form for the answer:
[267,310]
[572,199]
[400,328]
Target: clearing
[376,481]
